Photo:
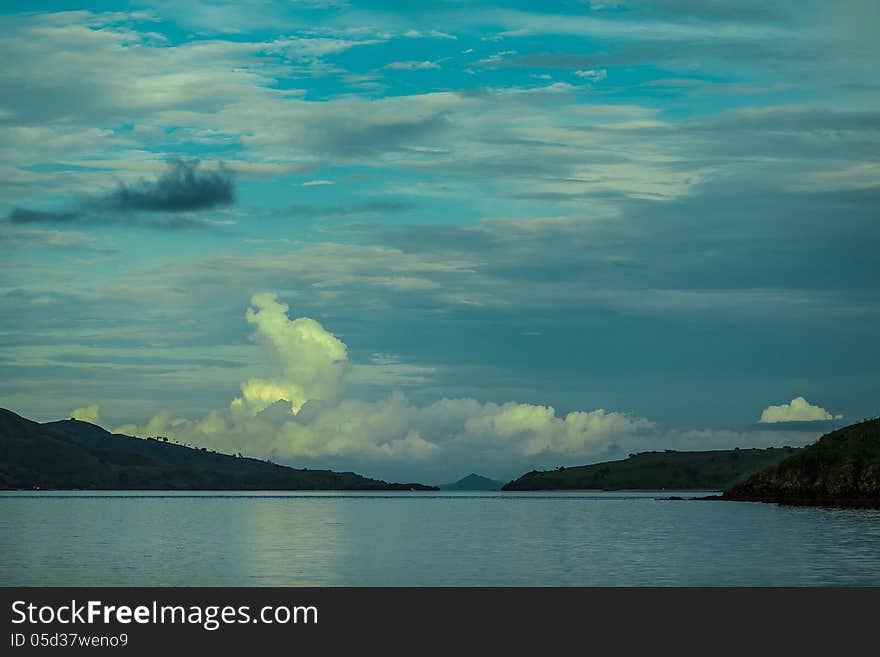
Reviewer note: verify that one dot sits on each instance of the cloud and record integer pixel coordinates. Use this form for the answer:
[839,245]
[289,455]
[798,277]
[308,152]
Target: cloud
[435,34]
[86,414]
[405,283]
[798,410]
[55,239]
[313,361]
[593,75]
[162,424]
[412,65]
[227,89]
[183,187]
[536,429]
[26,216]
[302,415]
[601,5]
[739,11]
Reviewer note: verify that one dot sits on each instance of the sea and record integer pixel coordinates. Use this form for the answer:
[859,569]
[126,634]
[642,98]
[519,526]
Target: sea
[54,538]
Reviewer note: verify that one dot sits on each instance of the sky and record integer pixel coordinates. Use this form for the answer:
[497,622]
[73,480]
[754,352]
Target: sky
[418,240]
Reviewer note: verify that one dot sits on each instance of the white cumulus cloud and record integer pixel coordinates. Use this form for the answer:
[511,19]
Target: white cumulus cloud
[313,361]
[302,415]
[798,410]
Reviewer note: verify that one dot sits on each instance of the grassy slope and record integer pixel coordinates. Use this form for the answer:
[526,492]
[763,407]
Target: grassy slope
[842,466]
[74,455]
[710,470]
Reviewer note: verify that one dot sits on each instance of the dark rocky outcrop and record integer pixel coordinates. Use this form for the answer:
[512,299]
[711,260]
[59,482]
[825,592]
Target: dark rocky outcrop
[841,468]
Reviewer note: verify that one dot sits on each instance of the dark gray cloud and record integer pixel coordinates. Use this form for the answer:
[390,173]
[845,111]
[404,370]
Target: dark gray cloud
[26,216]
[183,187]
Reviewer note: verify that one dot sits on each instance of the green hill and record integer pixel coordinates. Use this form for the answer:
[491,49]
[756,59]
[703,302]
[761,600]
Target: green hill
[710,470]
[473,482]
[842,467]
[77,455]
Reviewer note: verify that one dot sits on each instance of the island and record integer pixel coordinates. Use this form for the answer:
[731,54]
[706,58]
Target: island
[842,468]
[71,454]
[473,482]
[666,470]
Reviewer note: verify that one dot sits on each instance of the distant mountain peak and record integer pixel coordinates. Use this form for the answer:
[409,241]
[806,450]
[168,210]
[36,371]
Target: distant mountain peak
[473,481]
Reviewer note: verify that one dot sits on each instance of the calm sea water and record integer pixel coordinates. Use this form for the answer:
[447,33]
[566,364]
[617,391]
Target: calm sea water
[361,539]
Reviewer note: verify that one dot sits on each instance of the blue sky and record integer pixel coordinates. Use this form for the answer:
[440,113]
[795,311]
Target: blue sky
[518,234]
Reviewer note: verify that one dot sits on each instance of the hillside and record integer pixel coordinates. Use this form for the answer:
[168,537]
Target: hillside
[77,455]
[842,467]
[710,470]
[473,482]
